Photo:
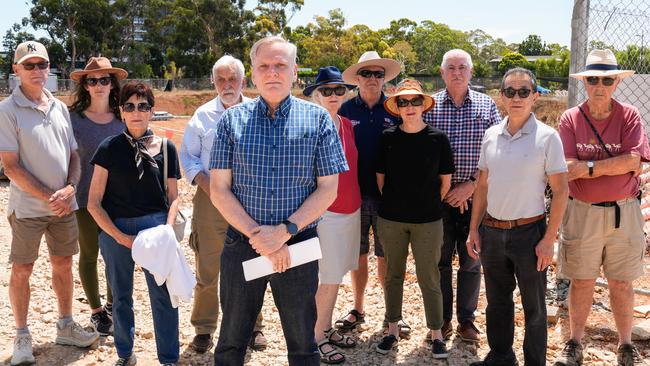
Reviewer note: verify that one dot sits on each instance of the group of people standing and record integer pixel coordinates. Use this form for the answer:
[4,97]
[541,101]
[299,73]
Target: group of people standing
[443,173]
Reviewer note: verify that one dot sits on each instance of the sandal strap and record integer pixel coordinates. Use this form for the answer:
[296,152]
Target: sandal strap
[333,352]
[356,314]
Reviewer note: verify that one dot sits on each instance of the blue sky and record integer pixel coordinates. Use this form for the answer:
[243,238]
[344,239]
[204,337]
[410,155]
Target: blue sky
[510,20]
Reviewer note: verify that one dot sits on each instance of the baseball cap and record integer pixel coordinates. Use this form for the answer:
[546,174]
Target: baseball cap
[30,49]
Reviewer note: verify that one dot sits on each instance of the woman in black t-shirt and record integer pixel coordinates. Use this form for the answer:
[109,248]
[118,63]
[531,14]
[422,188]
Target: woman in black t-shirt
[127,195]
[414,167]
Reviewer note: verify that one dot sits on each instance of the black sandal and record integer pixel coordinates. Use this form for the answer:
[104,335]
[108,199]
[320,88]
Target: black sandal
[346,325]
[328,357]
[344,341]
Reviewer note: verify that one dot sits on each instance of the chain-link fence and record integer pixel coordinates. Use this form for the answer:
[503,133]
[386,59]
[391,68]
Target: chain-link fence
[624,27]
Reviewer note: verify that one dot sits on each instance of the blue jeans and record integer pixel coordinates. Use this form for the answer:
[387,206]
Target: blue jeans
[509,260]
[294,294]
[119,268]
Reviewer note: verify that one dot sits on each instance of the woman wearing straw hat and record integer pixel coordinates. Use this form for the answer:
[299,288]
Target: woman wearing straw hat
[414,168]
[338,230]
[95,115]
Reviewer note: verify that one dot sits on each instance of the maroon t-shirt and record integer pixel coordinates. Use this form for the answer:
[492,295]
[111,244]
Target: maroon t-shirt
[622,132]
[348,198]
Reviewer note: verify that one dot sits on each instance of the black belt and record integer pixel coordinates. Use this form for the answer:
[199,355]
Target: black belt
[617,210]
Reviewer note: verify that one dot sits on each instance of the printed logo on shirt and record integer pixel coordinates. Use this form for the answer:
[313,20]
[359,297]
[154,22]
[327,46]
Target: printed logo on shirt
[354,122]
[592,148]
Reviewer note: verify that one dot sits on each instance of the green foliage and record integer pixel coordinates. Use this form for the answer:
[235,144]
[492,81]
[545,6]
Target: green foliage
[512,60]
[482,69]
[634,58]
[533,46]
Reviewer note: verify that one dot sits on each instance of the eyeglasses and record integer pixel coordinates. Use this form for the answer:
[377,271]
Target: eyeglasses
[41,65]
[130,107]
[106,80]
[367,74]
[607,81]
[416,102]
[326,92]
[510,92]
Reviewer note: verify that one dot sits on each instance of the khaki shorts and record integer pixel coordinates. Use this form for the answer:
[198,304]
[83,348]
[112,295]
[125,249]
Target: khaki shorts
[61,235]
[589,240]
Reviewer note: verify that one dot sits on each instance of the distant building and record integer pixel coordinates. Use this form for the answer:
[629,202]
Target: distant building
[495,61]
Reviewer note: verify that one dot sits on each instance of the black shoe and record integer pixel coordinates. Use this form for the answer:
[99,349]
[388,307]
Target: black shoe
[102,323]
[129,361]
[629,356]
[201,343]
[490,361]
[571,355]
[108,307]
[439,349]
[387,343]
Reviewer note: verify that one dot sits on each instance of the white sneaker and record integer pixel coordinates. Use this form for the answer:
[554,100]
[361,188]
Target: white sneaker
[22,350]
[74,335]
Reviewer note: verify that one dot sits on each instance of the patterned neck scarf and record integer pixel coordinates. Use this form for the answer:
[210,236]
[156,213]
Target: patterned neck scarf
[139,146]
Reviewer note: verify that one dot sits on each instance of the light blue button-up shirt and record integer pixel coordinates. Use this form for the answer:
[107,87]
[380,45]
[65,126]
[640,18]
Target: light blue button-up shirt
[199,136]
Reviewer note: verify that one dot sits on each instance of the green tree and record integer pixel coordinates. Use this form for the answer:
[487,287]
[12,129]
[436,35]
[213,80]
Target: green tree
[430,42]
[533,46]
[274,15]
[13,37]
[399,30]
[512,60]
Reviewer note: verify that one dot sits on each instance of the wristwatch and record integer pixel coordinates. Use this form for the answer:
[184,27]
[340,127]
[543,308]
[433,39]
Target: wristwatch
[291,227]
[590,165]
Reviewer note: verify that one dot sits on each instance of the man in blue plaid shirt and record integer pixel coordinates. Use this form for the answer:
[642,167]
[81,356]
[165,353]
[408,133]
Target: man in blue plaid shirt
[273,172]
[463,115]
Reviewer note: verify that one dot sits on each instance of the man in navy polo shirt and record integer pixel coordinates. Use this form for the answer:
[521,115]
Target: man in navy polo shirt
[369,118]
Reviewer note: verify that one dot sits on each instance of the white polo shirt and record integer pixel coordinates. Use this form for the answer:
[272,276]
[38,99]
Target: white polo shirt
[518,167]
[43,141]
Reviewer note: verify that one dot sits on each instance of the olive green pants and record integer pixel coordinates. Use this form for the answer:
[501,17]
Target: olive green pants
[426,243]
[88,252]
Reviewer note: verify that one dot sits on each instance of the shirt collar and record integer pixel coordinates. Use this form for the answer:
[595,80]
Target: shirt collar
[21,100]
[527,128]
[360,102]
[282,110]
[448,99]
[222,108]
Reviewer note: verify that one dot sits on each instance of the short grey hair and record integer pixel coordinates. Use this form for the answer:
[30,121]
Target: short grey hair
[457,52]
[293,50]
[520,70]
[227,60]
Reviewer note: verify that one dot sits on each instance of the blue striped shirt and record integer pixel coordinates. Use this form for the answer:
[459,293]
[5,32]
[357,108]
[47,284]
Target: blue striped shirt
[464,126]
[275,161]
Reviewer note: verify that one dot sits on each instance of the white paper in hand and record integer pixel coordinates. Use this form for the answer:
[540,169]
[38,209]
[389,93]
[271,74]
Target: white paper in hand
[300,253]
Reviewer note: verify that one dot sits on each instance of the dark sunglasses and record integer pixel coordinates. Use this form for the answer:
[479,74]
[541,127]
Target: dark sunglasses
[510,92]
[106,80]
[367,73]
[607,81]
[130,107]
[41,65]
[416,102]
[326,92]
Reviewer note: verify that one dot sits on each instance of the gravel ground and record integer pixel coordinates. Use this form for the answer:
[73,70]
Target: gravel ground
[600,339]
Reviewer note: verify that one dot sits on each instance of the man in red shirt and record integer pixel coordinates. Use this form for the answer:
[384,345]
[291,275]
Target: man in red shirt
[604,145]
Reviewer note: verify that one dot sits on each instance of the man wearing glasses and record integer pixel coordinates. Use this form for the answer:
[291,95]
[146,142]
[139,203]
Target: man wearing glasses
[604,145]
[463,115]
[519,156]
[369,118]
[39,153]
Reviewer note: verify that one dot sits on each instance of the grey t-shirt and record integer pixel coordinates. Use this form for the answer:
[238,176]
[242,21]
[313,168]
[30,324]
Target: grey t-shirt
[89,135]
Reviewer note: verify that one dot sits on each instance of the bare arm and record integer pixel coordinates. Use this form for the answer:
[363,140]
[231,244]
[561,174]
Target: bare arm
[225,201]
[22,178]
[380,182]
[544,249]
[61,200]
[74,171]
[445,184]
[203,181]
[479,207]
[172,198]
[95,196]
[616,165]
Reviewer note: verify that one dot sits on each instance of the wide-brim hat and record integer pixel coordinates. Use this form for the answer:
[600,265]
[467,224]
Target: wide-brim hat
[326,76]
[602,63]
[99,64]
[391,67]
[407,87]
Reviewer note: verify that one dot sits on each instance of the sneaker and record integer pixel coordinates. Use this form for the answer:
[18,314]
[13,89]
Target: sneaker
[129,361]
[102,323]
[74,335]
[387,343]
[202,343]
[439,349]
[571,355]
[108,308]
[23,354]
[629,356]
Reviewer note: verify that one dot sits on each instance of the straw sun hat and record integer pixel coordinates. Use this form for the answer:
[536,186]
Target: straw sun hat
[407,87]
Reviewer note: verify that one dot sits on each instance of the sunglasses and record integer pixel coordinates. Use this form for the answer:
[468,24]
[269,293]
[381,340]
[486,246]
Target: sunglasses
[367,74]
[106,80]
[41,65]
[130,107]
[510,92]
[607,81]
[339,90]
[416,102]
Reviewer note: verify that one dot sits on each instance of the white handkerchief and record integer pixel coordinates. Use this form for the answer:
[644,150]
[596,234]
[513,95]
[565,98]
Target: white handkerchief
[300,253]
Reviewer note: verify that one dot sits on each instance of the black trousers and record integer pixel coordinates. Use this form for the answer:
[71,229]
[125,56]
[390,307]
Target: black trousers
[509,259]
